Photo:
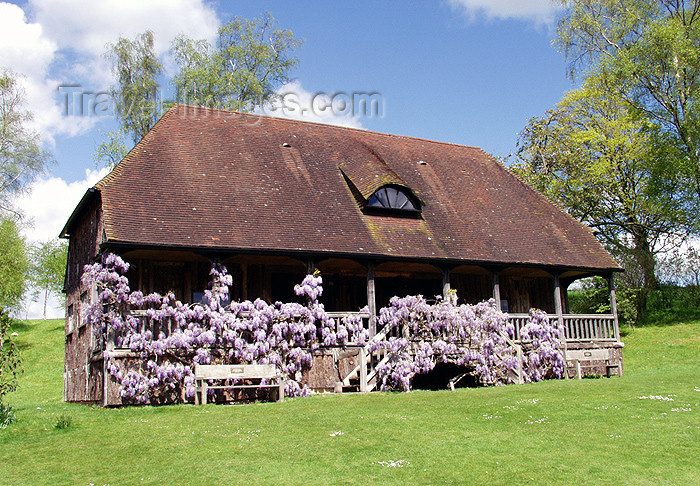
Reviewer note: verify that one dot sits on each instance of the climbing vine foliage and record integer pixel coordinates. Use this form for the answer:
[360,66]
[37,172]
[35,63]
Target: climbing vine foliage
[177,336]
[478,337]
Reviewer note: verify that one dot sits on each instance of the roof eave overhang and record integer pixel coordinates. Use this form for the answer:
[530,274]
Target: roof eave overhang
[213,251]
[89,195]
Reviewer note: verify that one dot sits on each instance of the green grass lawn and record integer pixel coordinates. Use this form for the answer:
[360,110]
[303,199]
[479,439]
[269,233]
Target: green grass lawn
[593,431]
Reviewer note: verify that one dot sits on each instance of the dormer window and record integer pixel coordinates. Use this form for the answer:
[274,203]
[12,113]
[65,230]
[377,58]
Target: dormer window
[393,197]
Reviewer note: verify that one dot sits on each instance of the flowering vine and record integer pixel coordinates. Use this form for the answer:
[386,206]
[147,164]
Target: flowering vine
[543,342]
[415,336]
[180,335]
[421,335]
[427,334]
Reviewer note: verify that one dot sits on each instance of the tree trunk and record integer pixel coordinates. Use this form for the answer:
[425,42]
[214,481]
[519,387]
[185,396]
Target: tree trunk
[645,259]
[46,298]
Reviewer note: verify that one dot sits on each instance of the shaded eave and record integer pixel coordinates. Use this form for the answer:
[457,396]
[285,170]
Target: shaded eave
[87,198]
[213,251]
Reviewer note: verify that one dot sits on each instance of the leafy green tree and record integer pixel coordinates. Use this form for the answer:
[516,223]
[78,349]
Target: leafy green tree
[111,150]
[48,268]
[250,60]
[136,69]
[607,166]
[651,48]
[21,155]
[9,363]
[14,266]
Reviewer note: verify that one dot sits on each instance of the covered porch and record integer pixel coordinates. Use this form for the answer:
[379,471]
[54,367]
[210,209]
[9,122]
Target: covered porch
[351,284]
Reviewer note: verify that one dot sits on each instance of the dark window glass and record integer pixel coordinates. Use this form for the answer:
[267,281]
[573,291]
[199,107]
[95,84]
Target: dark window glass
[391,197]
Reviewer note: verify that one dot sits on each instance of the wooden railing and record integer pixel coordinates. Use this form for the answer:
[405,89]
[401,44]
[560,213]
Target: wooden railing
[577,327]
[167,326]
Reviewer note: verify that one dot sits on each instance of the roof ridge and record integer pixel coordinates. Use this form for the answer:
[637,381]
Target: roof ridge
[329,125]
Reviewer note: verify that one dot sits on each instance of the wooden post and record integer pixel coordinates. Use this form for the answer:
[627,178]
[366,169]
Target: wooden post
[244,281]
[497,289]
[560,318]
[105,383]
[445,282]
[521,378]
[363,370]
[613,306]
[371,300]
[558,310]
[310,267]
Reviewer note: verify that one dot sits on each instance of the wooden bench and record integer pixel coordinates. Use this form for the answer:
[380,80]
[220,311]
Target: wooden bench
[204,373]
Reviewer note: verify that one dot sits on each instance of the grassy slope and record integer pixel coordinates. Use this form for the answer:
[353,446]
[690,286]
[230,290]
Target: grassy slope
[557,432]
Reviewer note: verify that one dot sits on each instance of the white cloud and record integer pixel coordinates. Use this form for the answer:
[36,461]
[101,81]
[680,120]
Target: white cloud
[23,45]
[539,11]
[336,108]
[63,41]
[50,202]
[47,207]
[87,25]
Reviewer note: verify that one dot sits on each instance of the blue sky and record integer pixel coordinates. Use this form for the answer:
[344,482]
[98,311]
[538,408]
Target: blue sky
[471,72]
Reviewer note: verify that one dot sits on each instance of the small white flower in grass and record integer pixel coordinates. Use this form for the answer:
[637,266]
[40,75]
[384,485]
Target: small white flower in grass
[488,417]
[399,463]
[336,433]
[532,401]
[614,436]
[656,397]
[697,388]
[14,334]
[681,409]
[543,420]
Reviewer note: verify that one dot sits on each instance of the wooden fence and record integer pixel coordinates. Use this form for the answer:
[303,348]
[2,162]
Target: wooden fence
[577,327]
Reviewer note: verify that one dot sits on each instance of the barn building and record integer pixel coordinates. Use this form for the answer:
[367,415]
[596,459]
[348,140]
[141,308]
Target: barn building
[379,215]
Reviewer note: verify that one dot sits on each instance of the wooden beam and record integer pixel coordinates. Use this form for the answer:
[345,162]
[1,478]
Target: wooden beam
[445,282]
[497,289]
[560,319]
[244,281]
[363,370]
[613,305]
[371,300]
[558,309]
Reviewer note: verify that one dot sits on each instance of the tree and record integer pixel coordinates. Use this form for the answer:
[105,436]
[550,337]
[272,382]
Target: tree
[48,268]
[251,59]
[651,48]
[14,266]
[608,168]
[21,155]
[111,150]
[9,364]
[136,68]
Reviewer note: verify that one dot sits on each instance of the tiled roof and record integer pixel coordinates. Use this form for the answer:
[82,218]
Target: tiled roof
[224,180]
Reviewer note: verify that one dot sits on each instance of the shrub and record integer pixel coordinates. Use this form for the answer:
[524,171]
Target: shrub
[63,422]
[7,416]
[10,365]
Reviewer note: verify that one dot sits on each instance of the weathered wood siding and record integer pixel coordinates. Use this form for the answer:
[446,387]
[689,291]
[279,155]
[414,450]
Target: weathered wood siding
[525,293]
[82,374]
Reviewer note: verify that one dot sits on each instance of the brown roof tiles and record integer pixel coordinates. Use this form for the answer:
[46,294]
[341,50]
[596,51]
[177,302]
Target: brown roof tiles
[224,180]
